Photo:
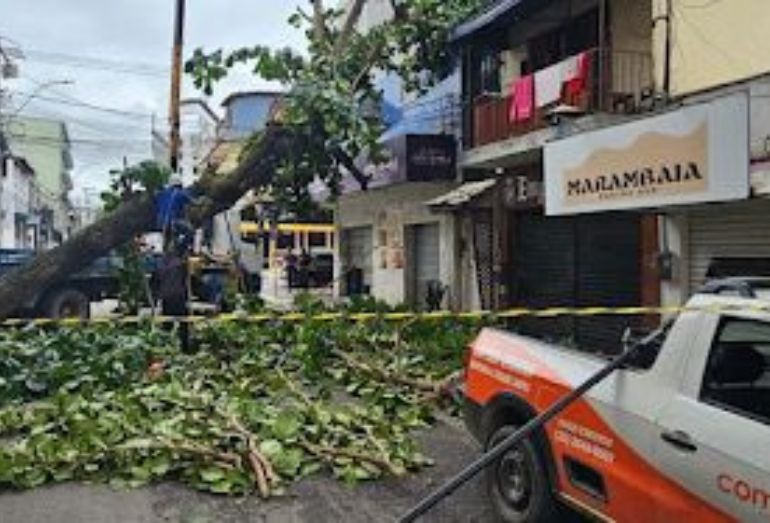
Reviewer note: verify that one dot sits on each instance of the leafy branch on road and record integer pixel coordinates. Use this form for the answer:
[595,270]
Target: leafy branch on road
[259,406]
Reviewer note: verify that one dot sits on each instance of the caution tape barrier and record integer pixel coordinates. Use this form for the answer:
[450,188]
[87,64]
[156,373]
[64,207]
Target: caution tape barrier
[293,317]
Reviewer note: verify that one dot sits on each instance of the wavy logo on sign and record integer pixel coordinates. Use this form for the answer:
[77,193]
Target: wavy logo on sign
[655,164]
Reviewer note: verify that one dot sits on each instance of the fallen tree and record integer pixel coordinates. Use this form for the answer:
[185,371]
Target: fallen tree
[136,216]
[329,118]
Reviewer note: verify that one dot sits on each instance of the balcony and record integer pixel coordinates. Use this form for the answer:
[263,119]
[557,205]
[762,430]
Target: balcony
[618,82]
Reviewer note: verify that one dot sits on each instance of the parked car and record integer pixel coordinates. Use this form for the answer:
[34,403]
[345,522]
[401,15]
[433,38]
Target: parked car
[682,434]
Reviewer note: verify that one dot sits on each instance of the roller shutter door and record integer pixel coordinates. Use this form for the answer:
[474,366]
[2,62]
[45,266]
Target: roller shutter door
[609,266]
[543,261]
[729,240]
[580,261]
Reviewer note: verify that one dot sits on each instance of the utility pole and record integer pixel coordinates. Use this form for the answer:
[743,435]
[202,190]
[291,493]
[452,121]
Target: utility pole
[176,84]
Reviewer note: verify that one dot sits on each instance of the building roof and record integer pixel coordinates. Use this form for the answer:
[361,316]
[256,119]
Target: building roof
[247,94]
[203,104]
[496,12]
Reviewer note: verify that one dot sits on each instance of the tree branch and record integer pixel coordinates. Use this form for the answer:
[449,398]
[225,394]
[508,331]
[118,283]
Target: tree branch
[347,162]
[399,11]
[319,23]
[354,15]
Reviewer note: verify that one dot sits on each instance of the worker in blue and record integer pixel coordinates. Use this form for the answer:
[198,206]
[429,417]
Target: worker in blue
[178,237]
[170,205]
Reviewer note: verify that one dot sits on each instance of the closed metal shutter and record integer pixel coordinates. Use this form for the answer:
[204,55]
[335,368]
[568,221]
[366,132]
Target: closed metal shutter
[544,273]
[729,240]
[357,250]
[426,260]
[591,260]
[609,267]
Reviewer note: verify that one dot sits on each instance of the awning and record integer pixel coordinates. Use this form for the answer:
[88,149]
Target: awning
[484,19]
[461,196]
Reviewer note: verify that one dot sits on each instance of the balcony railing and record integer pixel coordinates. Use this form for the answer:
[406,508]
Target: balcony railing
[615,82]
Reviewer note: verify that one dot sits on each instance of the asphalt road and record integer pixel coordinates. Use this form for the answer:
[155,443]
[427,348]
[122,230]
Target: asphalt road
[317,500]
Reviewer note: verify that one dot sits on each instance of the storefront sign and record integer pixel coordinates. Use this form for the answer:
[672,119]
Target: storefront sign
[524,191]
[431,157]
[692,155]
[409,158]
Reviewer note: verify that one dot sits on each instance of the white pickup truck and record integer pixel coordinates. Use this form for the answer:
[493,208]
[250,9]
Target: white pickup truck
[681,434]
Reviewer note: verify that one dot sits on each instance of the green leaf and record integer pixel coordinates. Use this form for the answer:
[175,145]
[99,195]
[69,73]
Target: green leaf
[212,474]
[287,425]
[288,462]
[271,447]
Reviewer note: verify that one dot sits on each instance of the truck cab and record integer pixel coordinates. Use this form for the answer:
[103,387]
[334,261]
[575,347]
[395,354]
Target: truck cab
[72,297]
[682,434]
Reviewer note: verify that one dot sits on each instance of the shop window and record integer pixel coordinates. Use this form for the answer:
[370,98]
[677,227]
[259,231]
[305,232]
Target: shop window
[737,375]
[285,241]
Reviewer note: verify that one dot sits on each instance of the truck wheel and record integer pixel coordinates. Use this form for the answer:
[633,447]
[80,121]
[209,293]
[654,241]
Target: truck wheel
[67,303]
[518,484]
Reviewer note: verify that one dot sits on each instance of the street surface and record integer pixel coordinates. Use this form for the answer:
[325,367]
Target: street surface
[317,500]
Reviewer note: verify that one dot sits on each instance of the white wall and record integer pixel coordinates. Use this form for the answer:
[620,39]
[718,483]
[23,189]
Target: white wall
[15,197]
[389,211]
[198,137]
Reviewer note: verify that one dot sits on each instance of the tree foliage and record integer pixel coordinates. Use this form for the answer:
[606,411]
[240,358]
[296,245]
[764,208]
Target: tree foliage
[334,100]
[260,406]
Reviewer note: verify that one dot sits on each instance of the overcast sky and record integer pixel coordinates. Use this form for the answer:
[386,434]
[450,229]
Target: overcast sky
[134,38]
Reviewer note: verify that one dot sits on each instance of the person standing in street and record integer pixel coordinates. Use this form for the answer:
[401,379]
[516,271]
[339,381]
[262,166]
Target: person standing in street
[173,292]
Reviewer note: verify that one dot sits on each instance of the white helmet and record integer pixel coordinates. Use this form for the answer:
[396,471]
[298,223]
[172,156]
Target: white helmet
[175,179]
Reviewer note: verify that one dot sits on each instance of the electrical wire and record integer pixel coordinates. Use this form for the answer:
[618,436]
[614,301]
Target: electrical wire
[96,63]
[74,102]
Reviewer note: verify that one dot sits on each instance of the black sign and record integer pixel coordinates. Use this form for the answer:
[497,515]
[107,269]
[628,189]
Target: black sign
[431,157]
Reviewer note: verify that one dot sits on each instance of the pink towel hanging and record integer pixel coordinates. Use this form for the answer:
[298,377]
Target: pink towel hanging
[522,104]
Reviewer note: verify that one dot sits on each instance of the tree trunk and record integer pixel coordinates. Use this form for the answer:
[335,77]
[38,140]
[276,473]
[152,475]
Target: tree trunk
[137,216]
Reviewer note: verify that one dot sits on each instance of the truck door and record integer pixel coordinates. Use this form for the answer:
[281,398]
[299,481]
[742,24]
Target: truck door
[714,438]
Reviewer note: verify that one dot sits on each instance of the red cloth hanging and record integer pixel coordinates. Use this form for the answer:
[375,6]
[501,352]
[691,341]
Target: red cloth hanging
[574,87]
[522,99]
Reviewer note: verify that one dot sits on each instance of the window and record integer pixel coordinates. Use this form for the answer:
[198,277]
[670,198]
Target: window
[317,239]
[647,355]
[738,371]
[285,241]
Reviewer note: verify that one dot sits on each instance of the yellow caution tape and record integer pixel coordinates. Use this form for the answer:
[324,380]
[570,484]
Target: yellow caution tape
[293,317]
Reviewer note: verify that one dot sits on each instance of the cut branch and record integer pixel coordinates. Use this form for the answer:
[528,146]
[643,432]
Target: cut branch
[331,453]
[436,388]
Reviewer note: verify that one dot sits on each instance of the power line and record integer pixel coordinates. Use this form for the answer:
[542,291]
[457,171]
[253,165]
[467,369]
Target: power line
[70,101]
[96,63]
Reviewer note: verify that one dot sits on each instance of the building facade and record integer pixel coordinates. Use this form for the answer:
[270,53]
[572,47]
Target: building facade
[600,167]
[198,135]
[45,146]
[391,246]
[18,201]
